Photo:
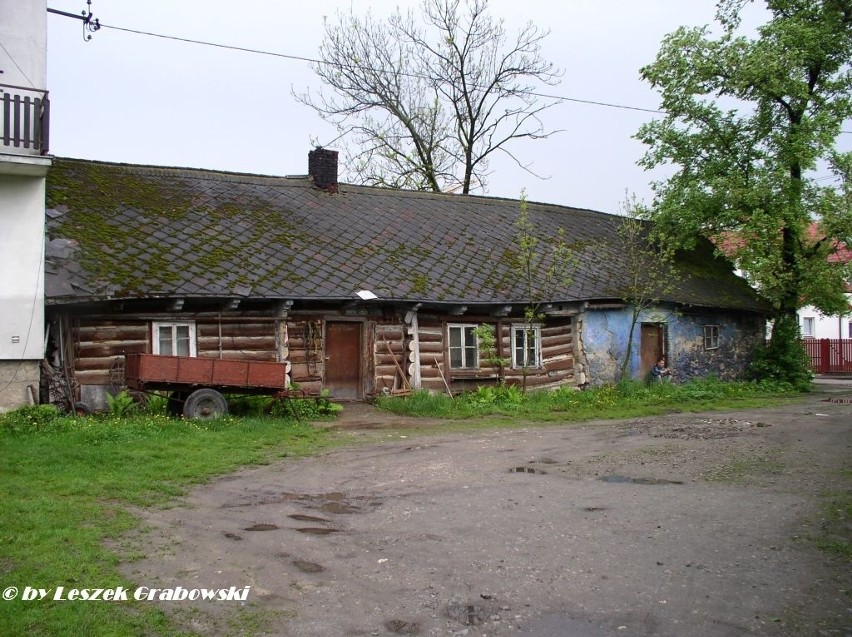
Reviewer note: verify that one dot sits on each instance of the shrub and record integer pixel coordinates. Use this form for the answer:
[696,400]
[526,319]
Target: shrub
[32,419]
[784,359]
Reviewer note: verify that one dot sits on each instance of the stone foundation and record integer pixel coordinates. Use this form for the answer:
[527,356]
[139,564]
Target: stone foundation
[15,379]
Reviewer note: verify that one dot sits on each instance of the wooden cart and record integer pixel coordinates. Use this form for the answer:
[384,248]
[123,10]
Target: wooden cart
[195,385]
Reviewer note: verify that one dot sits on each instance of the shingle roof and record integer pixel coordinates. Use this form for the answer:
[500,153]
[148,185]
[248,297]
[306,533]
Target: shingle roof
[126,231]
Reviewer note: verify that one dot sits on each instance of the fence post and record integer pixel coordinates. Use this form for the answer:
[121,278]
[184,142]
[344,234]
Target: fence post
[824,356]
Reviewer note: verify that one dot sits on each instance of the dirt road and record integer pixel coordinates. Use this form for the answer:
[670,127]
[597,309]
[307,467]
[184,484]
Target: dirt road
[685,525]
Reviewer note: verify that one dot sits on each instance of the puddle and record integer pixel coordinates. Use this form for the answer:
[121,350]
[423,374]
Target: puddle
[233,536]
[308,518]
[263,526]
[525,470]
[315,530]
[629,480]
[338,507]
[308,567]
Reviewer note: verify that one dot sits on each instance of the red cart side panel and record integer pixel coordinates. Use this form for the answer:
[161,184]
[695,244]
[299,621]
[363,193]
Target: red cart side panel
[149,369]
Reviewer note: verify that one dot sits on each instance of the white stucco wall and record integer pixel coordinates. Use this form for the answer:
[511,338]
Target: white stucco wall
[23,32]
[21,267]
[826,326]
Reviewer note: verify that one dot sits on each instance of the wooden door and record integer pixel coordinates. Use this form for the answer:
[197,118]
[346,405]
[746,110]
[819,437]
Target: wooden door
[651,347]
[343,359]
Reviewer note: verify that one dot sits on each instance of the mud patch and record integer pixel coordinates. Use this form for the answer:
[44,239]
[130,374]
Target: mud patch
[339,507]
[308,567]
[695,428]
[526,470]
[402,627]
[316,530]
[630,480]
[309,518]
[233,536]
[263,526]
[470,614]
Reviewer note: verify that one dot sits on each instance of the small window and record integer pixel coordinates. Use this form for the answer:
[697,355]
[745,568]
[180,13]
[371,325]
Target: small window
[464,352]
[850,329]
[174,339]
[711,337]
[526,346]
[808,325]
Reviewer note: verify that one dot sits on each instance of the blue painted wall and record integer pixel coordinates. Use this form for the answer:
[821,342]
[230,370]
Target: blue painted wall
[604,335]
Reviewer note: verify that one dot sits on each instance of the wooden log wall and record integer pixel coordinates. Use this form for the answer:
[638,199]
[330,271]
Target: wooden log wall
[557,356]
[306,351]
[240,341]
[431,336]
[387,364]
[98,343]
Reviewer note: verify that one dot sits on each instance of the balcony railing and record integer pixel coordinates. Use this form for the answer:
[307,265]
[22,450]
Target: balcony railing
[25,119]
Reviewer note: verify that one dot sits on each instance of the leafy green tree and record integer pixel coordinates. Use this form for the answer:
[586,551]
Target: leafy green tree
[423,100]
[749,122]
[544,268]
[649,262]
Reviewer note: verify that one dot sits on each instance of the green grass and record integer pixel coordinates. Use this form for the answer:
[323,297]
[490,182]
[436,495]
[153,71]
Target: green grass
[626,400]
[65,489]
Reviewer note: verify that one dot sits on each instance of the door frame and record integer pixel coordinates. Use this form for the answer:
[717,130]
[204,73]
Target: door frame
[662,331]
[363,367]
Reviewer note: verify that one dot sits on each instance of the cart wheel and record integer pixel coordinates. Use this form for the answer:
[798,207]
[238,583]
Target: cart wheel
[205,404]
[82,409]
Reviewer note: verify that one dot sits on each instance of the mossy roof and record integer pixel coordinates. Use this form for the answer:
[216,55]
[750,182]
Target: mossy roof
[118,231]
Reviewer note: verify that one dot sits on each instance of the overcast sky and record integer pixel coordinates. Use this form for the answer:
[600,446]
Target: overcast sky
[140,99]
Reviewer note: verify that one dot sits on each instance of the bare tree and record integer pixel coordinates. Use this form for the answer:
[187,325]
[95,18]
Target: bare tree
[423,102]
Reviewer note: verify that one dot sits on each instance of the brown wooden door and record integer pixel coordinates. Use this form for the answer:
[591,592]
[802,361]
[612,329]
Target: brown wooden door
[343,359]
[651,347]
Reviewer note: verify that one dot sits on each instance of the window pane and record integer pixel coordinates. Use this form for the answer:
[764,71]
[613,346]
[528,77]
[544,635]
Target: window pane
[455,337]
[456,357]
[470,356]
[165,338]
[182,340]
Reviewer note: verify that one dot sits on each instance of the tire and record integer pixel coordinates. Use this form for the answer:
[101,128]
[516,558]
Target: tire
[82,409]
[205,404]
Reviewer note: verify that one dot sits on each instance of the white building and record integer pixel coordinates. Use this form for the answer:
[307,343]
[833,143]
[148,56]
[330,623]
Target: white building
[23,166]
[816,325]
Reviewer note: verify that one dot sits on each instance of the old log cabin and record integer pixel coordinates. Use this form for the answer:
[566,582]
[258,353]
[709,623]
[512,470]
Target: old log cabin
[358,290]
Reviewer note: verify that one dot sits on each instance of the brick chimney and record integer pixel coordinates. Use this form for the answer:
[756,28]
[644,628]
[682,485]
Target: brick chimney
[322,167]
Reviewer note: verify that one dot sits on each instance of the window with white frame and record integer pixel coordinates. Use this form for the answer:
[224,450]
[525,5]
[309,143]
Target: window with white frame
[174,339]
[711,337]
[526,346]
[808,325]
[464,351]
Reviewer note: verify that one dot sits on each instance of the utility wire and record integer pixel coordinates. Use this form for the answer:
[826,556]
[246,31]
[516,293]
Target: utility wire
[302,58]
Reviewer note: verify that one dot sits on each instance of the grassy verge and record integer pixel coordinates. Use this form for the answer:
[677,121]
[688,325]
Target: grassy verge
[65,487]
[626,400]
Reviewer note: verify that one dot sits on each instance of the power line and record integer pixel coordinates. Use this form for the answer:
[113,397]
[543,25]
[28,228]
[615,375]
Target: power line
[302,58]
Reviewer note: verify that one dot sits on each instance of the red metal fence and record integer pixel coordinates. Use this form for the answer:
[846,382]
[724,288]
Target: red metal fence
[830,355]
